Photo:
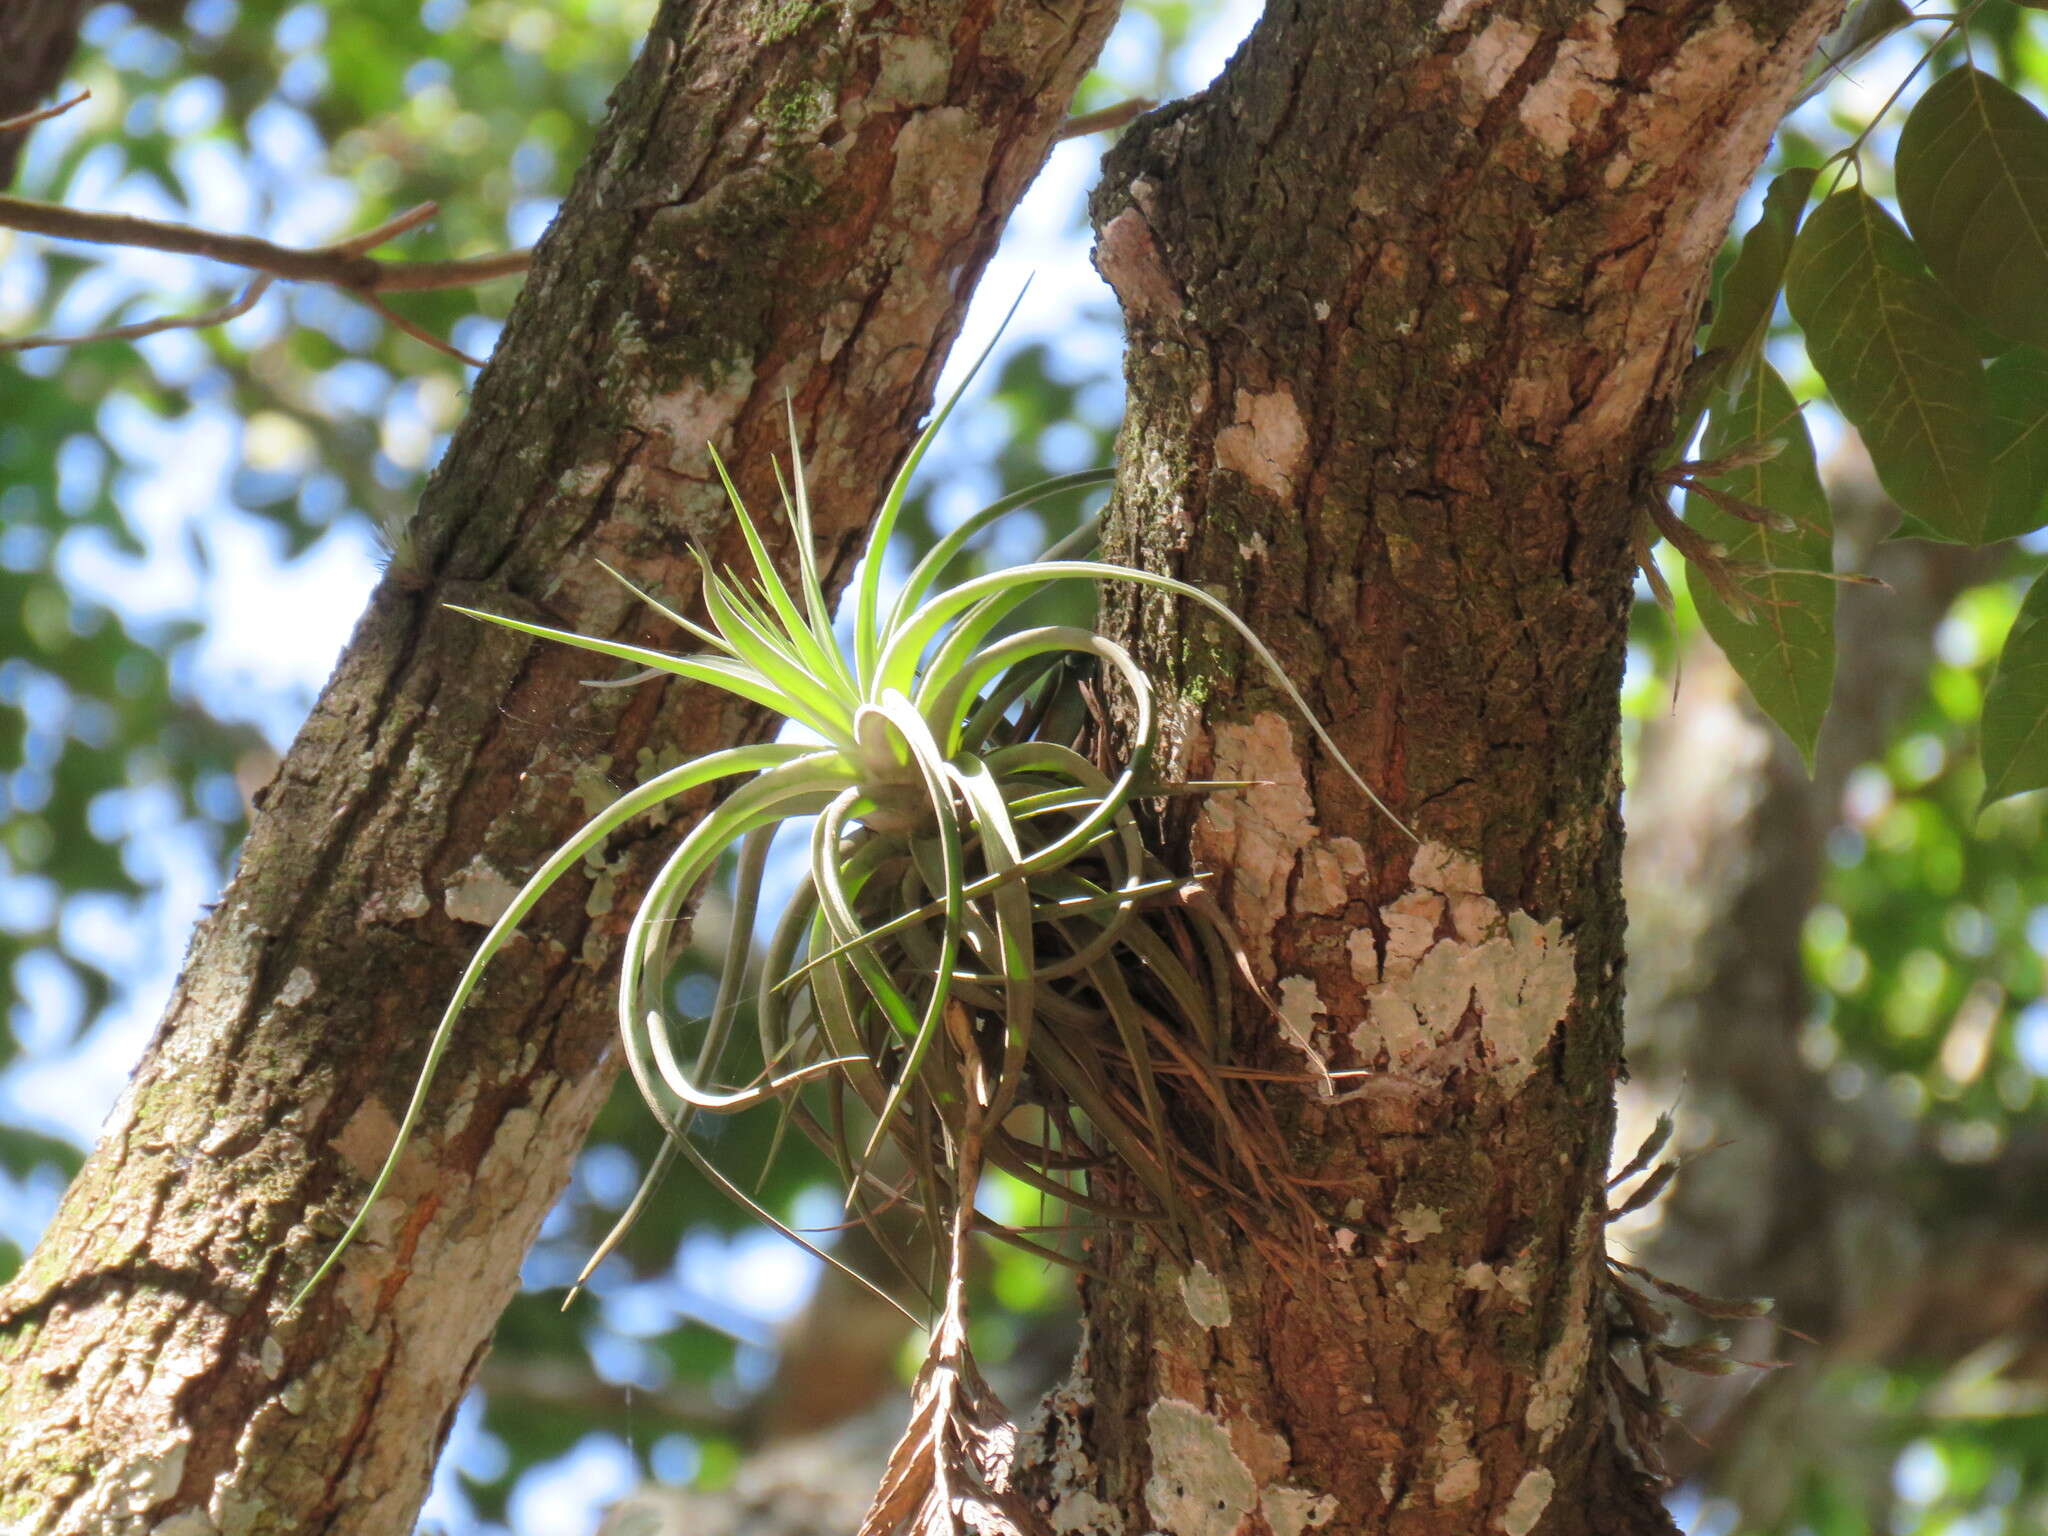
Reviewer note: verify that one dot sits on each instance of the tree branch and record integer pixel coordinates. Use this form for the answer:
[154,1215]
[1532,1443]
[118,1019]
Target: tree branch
[344,264]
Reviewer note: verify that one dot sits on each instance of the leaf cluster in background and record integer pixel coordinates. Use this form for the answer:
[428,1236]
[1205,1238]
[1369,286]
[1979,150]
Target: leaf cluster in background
[1931,338]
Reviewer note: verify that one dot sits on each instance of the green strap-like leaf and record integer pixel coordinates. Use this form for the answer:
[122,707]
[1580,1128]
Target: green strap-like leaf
[1901,370]
[2018,385]
[656,791]
[931,765]
[719,671]
[1787,656]
[1973,184]
[899,660]
[791,789]
[867,612]
[948,548]
[2015,726]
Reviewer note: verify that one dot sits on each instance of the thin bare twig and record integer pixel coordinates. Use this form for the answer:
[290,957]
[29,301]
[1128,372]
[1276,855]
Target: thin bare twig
[236,307]
[41,114]
[419,332]
[1104,120]
[344,264]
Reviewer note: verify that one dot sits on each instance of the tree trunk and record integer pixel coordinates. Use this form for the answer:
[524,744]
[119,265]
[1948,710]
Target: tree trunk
[37,38]
[788,199]
[1409,292]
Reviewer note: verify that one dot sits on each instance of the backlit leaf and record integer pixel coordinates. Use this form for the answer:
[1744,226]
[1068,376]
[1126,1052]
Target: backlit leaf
[1973,185]
[1750,291]
[2018,384]
[2015,730]
[1787,656]
[1867,24]
[1885,340]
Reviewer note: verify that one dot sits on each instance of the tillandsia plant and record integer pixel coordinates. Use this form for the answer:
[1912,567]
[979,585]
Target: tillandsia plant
[983,963]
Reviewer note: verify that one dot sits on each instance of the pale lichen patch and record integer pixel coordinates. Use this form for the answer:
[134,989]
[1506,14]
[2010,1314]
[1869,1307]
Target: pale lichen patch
[1418,1223]
[1300,1002]
[1053,1439]
[298,987]
[1267,441]
[913,72]
[1128,256]
[1459,1471]
[1516,974]
[1290,1511]
[1207,1301]
[1258,832]
[1327,870]
[478,893]
[1365,957]
[1526,1504]
[694,415]
[1564,1366]
[1198,1486]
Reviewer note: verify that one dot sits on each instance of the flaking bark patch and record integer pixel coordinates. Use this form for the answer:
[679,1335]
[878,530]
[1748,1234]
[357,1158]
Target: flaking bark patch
[1527,1503]
[1580,82]
[1208,1302]
[1265,836]
[1199,1485]
[1450,953]
[1266,442]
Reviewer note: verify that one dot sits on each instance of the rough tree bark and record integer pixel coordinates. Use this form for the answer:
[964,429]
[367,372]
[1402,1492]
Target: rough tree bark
[787,198]
[36,42]
[1409,295]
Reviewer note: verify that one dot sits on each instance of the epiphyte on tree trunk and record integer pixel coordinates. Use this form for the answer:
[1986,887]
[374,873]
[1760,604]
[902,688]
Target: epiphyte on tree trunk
[983,960]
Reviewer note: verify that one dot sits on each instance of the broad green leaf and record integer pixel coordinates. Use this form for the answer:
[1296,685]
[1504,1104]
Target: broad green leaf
[2015,728]
[2018,383]
[1882,335]
[1973,184]
[1750,292]
[1787,655]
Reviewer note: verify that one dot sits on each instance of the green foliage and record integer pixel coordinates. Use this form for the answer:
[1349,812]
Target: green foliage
[2015,733]
[1898,321]
[1973,184]
[1749,293]
[1786,653]
[1882,335]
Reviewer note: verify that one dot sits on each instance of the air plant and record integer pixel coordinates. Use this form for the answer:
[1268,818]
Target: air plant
[983,963]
